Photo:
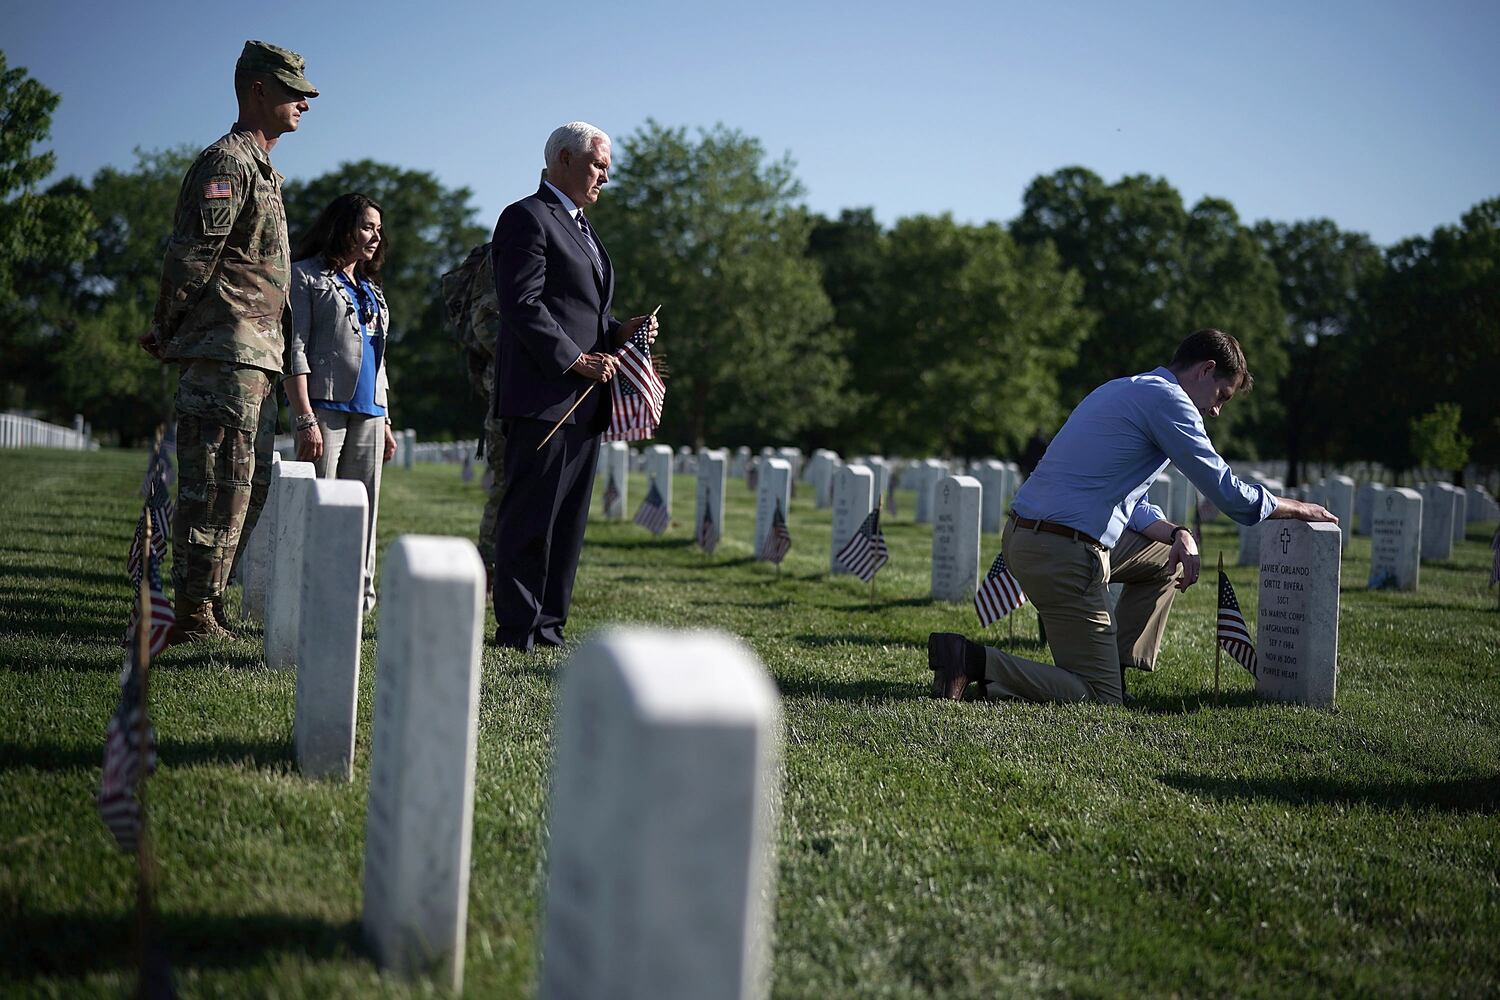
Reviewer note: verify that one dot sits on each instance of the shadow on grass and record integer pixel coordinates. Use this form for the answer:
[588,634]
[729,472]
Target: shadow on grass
[77,944]
[859,691]
[866,606]
[641,543]
[1460,795]
[171,753]
[1187,704]
[50,618]
[819,640]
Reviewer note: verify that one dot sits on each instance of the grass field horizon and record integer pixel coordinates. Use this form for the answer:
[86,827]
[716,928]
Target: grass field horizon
[1185,845]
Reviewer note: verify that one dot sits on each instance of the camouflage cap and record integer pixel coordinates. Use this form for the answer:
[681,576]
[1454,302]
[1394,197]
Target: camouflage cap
[273,60]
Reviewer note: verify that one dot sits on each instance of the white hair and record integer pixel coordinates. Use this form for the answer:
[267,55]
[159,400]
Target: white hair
[575,137]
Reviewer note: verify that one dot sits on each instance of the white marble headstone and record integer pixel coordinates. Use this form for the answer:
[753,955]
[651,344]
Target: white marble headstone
[421,805]
[1460,511]
[255,564]
[992,475]
[659,467]
[1338,497]
[1396,539]
[662,821]
[853,499]
[1438,509]
[293,487]
[616,461]
[333,571]
[1365,498]
[713,476]
[775,484]
[1250,533]
[955,538]
[1297,634]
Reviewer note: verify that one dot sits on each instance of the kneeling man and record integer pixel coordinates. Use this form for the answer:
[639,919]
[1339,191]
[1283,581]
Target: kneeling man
[1081,522]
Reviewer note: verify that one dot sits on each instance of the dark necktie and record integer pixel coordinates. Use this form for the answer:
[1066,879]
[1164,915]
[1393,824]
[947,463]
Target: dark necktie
[588,240]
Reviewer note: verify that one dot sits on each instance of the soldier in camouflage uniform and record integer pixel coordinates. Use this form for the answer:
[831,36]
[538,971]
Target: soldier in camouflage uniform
[474,312]
[222,316]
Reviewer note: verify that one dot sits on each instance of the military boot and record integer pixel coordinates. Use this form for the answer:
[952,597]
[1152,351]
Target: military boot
[221,618]
[195,623]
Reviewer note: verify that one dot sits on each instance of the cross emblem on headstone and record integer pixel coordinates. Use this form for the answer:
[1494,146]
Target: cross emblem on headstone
[1389,501]
[1286,540]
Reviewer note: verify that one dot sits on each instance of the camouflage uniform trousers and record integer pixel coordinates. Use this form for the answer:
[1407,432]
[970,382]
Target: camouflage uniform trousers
[226,426]
[494,454]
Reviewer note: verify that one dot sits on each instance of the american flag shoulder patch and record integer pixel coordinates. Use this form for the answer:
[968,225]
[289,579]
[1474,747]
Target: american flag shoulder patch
[218,189]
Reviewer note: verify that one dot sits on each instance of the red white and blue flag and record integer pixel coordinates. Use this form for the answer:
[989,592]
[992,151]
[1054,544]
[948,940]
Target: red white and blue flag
[163,617]
[999,593]
[708,531]
[611,496]
[123,756]
[778,540]
[866,551]
[636,393]
[1233,633]
[653,514]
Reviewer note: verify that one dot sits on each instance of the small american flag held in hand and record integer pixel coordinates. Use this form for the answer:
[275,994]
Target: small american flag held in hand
[865,552]
[1233,634]
[778,540]
[653,514]
[999,593]
[636,393]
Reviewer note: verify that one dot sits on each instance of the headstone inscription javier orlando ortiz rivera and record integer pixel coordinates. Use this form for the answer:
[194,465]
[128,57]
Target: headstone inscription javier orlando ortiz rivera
[1297,638]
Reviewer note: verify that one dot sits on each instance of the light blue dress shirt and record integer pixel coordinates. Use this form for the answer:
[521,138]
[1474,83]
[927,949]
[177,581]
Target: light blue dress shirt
[1096,472]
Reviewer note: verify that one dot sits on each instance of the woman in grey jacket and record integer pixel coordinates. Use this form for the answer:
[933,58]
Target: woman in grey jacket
[336,374]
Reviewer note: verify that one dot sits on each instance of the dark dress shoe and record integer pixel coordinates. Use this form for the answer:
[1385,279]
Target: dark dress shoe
[955,663]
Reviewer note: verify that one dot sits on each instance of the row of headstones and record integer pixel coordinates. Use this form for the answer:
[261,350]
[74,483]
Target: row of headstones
[1300,564]
[662,811]
[1407,527]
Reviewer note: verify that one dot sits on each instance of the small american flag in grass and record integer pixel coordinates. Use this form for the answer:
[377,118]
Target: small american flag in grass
[866,551]
[708,531]
[652,514]
[1233,633]
[611,495]
[123,757]
[999,593]
[778,540]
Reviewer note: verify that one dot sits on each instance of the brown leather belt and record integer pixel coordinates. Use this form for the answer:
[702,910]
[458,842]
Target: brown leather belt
[1053,528]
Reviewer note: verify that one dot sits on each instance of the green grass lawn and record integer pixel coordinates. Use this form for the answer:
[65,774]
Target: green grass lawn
[1181,846]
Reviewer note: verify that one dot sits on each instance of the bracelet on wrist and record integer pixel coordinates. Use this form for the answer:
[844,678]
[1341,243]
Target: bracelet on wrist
[1180,527]
[303,421]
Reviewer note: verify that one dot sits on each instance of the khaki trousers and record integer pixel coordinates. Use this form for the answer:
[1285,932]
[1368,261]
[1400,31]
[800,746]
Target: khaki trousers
[354,448]
[1067,581]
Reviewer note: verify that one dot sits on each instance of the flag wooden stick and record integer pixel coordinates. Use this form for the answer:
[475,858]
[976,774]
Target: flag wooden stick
[580,399]
[1218,649]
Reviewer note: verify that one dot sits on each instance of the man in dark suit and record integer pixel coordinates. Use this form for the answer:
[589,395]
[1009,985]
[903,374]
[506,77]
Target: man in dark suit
[557,338]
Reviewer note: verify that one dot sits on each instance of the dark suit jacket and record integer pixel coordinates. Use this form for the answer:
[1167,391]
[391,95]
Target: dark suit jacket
[554,305]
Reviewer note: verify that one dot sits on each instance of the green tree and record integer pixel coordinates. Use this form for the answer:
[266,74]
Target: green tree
[1323,272]
[38,232]
[1431,333]
[1153,272]
[431,228]
[963,342]
[1436,440]
[712,230]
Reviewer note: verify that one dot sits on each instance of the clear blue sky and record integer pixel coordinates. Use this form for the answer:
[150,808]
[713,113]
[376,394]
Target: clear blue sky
[1379,115]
